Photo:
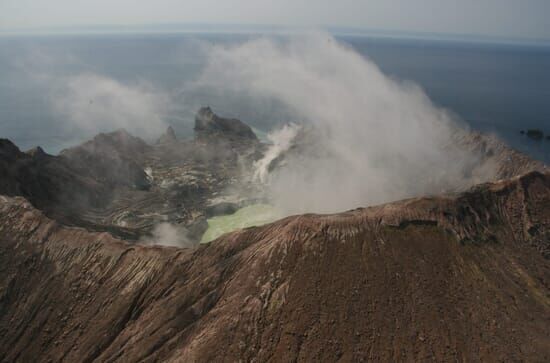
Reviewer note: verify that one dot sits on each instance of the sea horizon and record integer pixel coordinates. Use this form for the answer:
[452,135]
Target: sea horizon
[495,87]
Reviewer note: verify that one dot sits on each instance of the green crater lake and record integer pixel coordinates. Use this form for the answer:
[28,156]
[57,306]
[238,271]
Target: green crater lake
[250,216]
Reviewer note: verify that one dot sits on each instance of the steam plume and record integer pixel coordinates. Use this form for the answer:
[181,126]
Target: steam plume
[281,140]
[83,102]
[166,234]
[94,103]
[378,139]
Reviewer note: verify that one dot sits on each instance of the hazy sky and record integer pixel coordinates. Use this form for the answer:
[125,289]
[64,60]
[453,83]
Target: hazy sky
[503,18]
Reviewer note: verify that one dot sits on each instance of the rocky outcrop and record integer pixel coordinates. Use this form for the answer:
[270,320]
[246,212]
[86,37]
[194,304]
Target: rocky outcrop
[447,278]
[9,155]
[209,125]
[37,152]
[113,158]
[535,134]
[169,137]
[46,180]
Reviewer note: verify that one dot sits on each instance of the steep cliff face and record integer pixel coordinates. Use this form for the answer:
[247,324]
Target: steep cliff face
[462,277]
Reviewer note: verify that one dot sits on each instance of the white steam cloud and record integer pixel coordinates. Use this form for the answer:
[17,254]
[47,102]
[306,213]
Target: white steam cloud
[281,140]
[377,139]
[93,103]
[166,234]
[83,102]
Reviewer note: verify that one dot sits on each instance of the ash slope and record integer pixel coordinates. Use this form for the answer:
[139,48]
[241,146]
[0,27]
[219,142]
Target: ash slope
[463,277]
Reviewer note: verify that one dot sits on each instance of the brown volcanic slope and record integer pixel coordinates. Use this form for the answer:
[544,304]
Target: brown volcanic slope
[462,277]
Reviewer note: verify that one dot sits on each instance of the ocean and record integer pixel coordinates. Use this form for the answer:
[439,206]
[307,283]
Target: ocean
[497,88]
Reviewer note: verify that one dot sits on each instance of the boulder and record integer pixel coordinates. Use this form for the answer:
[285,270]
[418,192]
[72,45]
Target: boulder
[535,134]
